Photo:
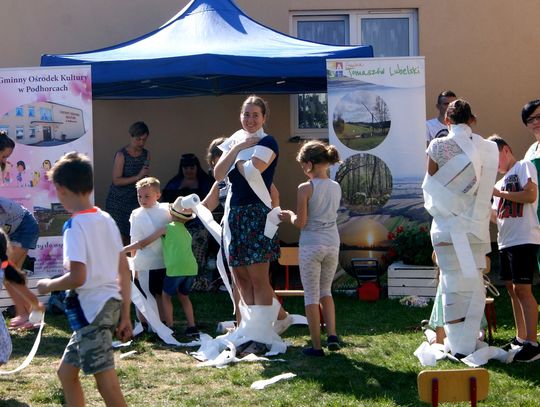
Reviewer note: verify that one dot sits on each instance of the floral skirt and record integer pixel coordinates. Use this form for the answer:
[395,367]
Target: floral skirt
[248,244]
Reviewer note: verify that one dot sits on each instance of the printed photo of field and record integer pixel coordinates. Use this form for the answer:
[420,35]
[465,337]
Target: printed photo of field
[361,120]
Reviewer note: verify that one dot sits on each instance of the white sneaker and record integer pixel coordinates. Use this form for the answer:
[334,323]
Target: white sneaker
[281,325]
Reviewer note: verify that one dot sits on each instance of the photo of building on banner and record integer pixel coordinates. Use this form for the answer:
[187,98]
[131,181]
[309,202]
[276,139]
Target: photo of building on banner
[46,112]
[376,117]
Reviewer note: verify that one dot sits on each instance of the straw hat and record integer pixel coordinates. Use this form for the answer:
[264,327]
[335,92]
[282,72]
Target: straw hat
[176,209]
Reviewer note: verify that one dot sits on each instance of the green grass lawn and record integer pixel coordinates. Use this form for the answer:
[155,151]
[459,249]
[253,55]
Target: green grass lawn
[359,137]
[376,367]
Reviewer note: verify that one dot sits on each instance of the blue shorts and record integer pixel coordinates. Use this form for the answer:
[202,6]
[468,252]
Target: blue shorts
[26,235]
[178,285]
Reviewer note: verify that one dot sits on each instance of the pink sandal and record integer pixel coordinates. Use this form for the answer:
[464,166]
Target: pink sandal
[26,326]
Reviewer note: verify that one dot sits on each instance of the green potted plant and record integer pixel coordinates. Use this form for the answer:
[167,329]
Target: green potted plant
[411,245]
[412,272]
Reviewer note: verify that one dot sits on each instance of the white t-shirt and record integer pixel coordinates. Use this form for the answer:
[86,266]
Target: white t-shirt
[144,222]
[517,222]
[92,237]
[533,151]
[433,126]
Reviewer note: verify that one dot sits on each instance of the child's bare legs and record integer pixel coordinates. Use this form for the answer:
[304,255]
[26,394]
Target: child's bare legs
[188,309]
[16,256]
[440,335]
[329,314]
[161,309]
[22,308]
[518,312]
[314,323]
[109,388]
[529,308]
[167,309]
[71,385]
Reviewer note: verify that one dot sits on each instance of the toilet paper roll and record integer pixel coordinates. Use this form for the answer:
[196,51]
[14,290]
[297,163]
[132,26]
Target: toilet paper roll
[272,222]
[190,201]
[35,317]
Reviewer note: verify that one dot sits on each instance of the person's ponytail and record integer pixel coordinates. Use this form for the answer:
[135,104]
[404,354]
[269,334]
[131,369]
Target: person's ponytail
[10,272]
[13,275]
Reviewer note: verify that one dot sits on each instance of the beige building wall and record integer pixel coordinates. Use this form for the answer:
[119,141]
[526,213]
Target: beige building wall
[66,122]
[485,50]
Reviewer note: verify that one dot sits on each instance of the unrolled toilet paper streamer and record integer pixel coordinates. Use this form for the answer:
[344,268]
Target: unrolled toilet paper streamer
[428,354]
[149,309]
[194,203]
[254,325]
[164,332]
[33,351]
[261,384]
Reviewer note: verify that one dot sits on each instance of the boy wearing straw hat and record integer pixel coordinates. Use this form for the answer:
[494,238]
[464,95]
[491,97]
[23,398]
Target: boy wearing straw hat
[180,263]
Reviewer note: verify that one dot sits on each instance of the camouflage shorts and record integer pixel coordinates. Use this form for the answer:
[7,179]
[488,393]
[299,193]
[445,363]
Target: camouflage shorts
[90,348]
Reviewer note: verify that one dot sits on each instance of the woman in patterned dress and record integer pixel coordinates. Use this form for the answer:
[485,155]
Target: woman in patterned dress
[131,164]
[250,251]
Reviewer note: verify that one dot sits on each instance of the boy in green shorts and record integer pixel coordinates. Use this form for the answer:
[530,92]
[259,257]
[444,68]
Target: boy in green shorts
[98,282]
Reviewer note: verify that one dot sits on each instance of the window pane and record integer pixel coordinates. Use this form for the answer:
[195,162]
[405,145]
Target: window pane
[19,132]
[328,32]
[312,111]
[313,107]
[388,36]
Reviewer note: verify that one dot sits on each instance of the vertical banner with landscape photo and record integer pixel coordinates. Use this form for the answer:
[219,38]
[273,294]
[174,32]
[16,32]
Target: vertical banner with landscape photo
[47,112]
[376,116]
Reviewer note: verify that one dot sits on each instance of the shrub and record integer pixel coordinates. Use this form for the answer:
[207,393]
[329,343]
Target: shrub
[411,245]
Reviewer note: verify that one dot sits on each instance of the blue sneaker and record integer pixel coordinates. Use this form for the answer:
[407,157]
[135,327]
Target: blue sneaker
[528,353]
[313,352]
[333,343]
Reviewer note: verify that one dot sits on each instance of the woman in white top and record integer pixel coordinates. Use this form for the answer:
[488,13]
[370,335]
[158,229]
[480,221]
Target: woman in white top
[461,172]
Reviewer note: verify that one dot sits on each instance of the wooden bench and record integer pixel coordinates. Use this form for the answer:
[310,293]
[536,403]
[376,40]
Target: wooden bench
[5,299]
[288,257]
[289,293]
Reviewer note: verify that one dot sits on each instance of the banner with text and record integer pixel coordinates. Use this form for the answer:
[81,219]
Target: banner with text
[376,116]
[47,112]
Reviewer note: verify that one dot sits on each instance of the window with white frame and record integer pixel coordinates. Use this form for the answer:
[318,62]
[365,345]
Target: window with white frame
[389,32]
[19,132]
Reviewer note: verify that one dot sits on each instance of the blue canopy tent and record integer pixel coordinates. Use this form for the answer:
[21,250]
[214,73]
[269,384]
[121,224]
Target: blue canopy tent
[209,48]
